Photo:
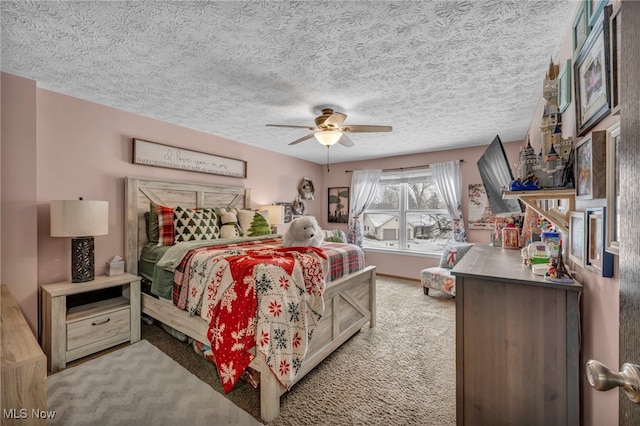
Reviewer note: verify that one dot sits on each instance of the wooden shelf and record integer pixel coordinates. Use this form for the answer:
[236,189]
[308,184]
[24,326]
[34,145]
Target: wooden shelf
[558,219]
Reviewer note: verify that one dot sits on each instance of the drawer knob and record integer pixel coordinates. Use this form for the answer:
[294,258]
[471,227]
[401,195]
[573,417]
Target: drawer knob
[101,322]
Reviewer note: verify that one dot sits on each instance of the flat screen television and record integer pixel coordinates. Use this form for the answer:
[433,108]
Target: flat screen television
[496,175]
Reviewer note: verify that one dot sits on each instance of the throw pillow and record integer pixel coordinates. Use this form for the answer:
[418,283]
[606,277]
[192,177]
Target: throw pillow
[453,253]
[195,225]
[166,235]
[253,223]
[259,226]
[153,231]
[334,235]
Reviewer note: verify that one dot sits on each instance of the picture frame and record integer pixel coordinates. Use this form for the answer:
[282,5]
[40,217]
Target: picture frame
[592,78]
[174,157]
[615,53]
[613,189]
[338,205]
[576,238]
[594,9]
[597,259]
[580,29]
[590,166]
[564,86]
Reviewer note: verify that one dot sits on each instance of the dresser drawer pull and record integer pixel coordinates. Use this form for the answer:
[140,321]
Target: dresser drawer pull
[101,322]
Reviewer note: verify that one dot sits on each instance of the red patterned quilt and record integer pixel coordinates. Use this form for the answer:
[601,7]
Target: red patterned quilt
[270,297]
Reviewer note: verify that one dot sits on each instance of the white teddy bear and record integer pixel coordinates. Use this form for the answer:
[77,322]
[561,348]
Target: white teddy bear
[303,231]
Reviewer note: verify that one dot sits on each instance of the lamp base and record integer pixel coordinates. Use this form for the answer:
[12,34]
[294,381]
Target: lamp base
[82,260]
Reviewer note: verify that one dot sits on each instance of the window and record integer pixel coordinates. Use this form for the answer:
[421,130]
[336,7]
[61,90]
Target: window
[407,214]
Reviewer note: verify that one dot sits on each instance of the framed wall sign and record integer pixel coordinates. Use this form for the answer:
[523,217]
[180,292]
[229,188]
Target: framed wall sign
[613,189]
[564,86]
[591,73]
[576,238]
[173,157]
[597,258]
[338,205]
[590,166]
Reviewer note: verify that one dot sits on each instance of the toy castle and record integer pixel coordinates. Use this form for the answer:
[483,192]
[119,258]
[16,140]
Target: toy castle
[548,168]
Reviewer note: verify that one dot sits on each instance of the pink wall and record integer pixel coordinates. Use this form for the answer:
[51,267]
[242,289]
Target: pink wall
[19,190]
[600,297]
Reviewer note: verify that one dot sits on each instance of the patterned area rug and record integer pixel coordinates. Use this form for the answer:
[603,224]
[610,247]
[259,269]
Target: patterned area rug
[137,385]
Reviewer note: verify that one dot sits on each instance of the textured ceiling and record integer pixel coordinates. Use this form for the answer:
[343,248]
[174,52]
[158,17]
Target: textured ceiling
[444,74]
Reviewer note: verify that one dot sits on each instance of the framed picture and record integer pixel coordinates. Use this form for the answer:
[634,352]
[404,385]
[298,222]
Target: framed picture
[580,29]
[564,86]
[591,75]
[613,189]
[590,166]
[597,258]
[594,9]
[339,205]
[576,238]
[615,53]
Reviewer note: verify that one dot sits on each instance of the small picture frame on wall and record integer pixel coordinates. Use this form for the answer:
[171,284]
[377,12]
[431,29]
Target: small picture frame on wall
[580,29]
[591,73]
[576,238]
[615,53]
[597,258]
[338,205]
[613,189]
[564,86]
[594,9]
[590,166]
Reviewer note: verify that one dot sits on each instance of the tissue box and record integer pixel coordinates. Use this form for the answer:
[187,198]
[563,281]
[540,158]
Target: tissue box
[114,268]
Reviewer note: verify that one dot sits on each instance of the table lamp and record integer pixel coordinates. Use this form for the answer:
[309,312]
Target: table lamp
[80,220]
[276,216]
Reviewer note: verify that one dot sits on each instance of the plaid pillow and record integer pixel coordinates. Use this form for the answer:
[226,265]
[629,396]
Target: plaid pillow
[195,225]
[165,226]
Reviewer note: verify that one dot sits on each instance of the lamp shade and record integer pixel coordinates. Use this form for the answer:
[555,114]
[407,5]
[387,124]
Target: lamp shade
[79,218]
[276,214]
[328,137]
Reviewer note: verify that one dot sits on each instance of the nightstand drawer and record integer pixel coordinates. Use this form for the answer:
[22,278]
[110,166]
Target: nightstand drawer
[104,320]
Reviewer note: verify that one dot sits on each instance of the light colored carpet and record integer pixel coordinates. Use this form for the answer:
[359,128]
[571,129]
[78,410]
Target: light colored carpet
[137,385]
[402,372]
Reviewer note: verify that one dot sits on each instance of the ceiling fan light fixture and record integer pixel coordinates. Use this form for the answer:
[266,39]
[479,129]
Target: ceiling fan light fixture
[328,137]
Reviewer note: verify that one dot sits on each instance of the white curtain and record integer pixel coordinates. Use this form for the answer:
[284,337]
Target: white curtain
[363,189]
[447,178]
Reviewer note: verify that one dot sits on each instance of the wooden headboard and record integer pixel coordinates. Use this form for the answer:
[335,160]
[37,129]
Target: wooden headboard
[140,192]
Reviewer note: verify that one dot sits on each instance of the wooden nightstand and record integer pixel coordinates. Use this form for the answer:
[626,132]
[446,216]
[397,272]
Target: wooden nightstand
[69,334]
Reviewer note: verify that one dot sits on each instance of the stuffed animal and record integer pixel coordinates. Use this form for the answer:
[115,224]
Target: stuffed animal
[230,227]
[303,231]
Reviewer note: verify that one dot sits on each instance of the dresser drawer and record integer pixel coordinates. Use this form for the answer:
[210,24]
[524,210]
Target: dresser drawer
[107,322]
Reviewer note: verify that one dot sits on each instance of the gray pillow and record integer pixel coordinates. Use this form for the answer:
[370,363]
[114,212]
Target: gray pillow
[453,253]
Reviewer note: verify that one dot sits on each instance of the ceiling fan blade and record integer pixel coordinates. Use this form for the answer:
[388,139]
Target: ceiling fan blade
[302,139]
[292,127]
[361,128]
[335,119]
[345,141]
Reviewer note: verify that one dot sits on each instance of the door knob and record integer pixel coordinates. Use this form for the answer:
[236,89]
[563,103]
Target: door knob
[602,378]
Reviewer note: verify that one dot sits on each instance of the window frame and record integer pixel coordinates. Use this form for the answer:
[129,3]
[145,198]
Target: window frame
[403,178]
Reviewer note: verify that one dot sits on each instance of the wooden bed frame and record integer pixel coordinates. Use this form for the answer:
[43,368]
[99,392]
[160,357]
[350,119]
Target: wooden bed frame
[350,302]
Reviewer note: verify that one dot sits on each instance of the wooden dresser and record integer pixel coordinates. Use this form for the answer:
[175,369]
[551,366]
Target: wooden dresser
[24,368]
[517,343]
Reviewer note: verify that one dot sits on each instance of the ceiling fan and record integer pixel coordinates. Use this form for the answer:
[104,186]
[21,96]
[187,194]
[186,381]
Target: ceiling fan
[329,129]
